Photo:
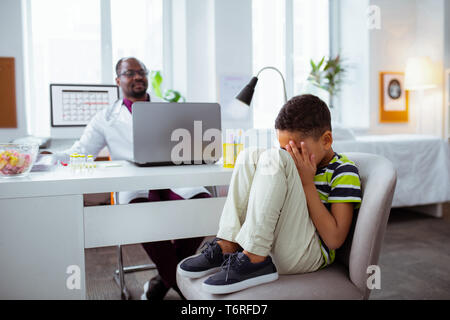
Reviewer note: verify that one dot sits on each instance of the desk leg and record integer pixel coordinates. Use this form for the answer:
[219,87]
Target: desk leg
[42,248]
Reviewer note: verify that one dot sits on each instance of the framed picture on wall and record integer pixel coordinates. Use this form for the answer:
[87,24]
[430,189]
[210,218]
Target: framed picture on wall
[394,102]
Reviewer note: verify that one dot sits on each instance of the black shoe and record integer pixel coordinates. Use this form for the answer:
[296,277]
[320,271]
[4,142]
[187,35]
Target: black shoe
[239,273]
[205,263]
[154,289]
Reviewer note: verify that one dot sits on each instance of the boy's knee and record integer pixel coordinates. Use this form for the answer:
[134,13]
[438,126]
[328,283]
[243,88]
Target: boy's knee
[249,155]
[273,160]
[269,159]
[278,156]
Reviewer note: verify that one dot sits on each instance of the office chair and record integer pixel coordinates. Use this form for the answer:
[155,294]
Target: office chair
[347,277]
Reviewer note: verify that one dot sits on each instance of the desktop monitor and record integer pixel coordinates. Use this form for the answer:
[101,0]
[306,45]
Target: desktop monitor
[73,106]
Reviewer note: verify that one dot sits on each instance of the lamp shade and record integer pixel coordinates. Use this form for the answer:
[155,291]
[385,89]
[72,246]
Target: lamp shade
[246,94]
[419,74]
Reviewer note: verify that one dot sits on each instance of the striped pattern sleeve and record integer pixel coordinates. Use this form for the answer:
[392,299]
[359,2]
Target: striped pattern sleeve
[346,185]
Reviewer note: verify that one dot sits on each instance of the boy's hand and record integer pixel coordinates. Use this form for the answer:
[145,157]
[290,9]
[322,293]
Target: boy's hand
[304,162]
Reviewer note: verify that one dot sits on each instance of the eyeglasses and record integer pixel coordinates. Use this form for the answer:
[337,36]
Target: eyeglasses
[132,73]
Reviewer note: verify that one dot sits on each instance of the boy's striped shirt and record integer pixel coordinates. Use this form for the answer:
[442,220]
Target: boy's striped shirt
[337,182]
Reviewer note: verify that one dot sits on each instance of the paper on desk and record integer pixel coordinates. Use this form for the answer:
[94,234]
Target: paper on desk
[44,162]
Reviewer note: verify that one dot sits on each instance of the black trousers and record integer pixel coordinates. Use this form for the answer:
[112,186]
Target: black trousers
[167,254]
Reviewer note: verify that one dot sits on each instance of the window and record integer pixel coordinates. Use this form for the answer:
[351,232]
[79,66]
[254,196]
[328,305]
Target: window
[311,41]
[137,30]
[66,46]
[286,35]
[269,49]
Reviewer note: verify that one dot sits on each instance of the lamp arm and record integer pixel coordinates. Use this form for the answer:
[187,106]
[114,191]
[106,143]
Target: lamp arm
[282,78]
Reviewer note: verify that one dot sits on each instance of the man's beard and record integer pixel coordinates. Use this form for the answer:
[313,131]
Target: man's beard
[140,93]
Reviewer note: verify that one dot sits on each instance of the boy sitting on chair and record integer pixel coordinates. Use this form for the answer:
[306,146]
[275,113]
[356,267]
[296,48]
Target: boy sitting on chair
[293,205]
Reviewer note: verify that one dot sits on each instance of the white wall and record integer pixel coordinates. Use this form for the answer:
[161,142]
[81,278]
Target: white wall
[430,42]
[446,130]
[211,39]
[408,28]
[193,49]
[201,58]
[389,48]
[11,45]
[447,34]
[353,45]
[234,52]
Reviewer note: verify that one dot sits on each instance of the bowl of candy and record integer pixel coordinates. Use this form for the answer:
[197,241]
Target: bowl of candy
[16,159]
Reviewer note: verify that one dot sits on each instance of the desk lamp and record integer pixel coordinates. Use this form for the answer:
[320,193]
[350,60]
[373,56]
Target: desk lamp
[246,94]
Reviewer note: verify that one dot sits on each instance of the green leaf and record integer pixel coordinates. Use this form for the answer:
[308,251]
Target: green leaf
[327,74]
[172,96]
[156,77]
[320,63]
[156,81]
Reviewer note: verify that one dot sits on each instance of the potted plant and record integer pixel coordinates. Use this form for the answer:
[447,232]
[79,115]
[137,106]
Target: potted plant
[327,74]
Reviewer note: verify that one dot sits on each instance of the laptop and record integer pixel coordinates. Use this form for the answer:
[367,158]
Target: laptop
[176,133]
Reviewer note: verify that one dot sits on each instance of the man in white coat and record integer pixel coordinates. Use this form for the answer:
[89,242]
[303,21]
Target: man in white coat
[112,127]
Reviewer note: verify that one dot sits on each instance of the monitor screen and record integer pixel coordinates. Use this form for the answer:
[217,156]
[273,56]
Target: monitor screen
[73,106]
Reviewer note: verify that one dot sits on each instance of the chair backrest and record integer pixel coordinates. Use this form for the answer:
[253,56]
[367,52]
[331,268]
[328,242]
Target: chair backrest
[363,244]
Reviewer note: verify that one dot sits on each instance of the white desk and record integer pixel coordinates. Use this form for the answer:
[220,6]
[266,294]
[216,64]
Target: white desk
[44,227]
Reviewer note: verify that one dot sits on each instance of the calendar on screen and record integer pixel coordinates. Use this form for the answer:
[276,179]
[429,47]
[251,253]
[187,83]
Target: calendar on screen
[76,105]
[81,106]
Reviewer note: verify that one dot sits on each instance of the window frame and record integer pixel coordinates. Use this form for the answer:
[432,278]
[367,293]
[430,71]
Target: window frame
[107,63]
[333,44]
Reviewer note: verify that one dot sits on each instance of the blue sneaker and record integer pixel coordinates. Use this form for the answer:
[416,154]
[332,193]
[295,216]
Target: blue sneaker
[207,262]
[239,273]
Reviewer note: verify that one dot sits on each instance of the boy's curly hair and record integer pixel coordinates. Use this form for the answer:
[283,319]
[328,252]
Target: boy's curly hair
[306,114]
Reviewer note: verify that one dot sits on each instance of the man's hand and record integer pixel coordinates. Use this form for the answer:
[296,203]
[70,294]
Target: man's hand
[304,162]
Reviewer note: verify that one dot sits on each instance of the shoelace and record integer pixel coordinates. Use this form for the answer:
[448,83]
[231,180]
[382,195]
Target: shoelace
[208,250]
[231,259]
